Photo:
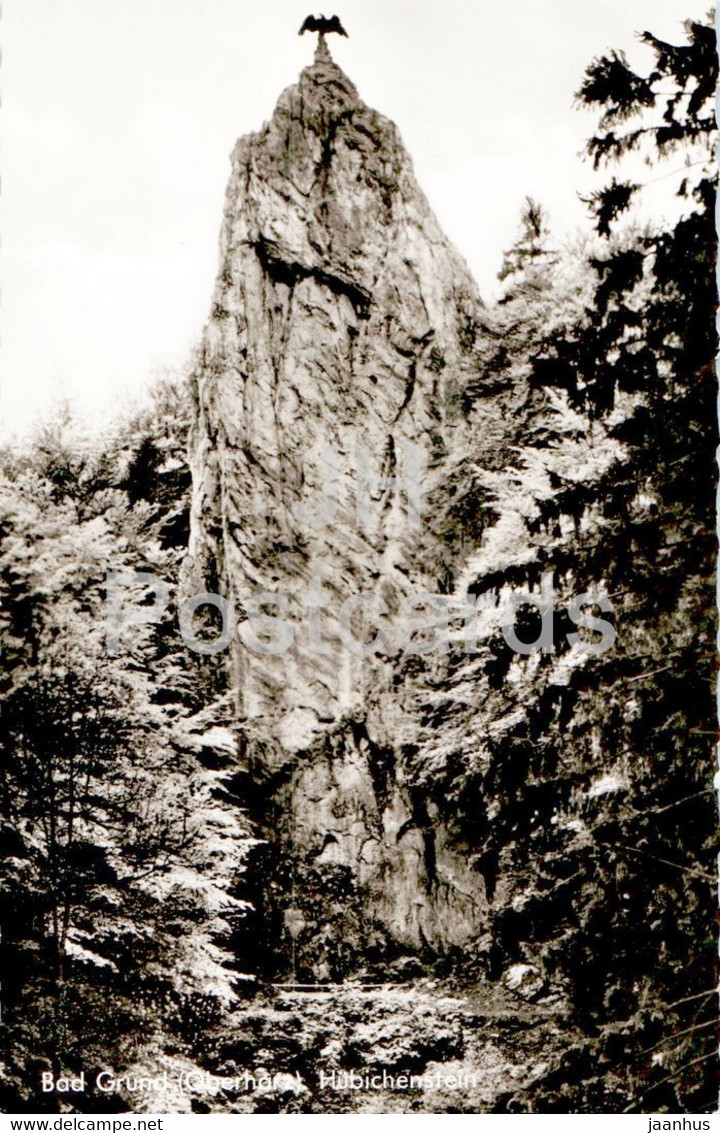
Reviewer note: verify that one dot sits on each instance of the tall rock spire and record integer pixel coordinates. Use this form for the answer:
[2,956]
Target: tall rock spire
[344,327]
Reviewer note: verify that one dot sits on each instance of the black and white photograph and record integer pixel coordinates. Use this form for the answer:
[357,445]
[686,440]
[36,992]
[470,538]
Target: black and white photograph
[358,602]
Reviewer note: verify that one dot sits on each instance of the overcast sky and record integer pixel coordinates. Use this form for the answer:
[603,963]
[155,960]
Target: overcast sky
[119,117]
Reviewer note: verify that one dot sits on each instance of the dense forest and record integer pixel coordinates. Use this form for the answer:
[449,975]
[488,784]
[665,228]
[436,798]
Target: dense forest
[583,792]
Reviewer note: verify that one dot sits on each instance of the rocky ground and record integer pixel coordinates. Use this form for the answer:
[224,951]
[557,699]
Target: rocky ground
[473,1048]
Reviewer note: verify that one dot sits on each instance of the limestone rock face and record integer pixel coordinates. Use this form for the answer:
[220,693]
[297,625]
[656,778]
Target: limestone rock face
[344,329]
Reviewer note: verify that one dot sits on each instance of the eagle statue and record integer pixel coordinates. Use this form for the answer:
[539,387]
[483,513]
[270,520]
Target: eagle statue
[323,25]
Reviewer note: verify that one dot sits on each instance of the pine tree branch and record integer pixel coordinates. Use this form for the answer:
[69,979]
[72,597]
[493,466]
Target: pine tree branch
[669,1078]
[679,1034]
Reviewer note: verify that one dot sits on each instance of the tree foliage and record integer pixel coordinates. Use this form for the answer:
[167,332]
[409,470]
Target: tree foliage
[123,841]
[586,782]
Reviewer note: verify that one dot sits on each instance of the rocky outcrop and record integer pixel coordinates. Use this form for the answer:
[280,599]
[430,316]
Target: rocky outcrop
[330,399]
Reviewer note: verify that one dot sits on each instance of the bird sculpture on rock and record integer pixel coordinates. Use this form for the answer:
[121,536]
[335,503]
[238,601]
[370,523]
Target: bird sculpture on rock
[323,25]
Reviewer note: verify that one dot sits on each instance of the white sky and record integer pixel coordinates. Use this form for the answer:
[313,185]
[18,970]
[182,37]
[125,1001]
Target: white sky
[119,117]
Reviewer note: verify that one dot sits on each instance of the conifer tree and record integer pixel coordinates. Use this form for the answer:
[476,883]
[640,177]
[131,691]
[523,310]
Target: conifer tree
[586,782]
